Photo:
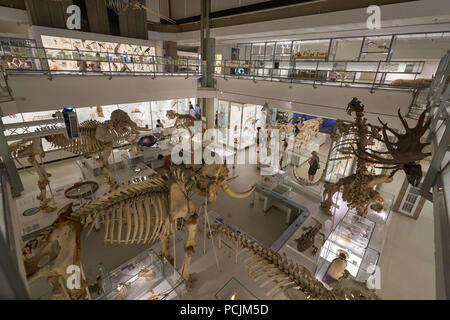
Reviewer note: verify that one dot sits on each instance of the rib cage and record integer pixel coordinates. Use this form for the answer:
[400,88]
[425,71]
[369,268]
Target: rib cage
[265,264]
[87,144]
[136,214]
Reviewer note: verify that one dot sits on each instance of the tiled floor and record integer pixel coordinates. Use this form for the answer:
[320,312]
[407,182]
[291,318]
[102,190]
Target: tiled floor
[407,264]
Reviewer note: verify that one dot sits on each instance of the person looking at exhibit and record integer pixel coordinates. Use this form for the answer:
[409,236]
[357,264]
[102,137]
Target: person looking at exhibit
[313,165]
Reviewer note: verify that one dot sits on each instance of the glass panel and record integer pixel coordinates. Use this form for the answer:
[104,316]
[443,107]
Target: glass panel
[235,124]
[159,112]
[347,49]
[283,50]
[248,125]
[138,112]
[311,49]
[270,49]
[258,51]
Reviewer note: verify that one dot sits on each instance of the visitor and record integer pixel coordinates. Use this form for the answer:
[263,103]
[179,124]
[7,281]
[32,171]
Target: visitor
[298,125]
[167,162]
[198,112]
[283,153]
[82,65]
[313,165]
[96,67]
[191,110]
[217,120]
[258,138]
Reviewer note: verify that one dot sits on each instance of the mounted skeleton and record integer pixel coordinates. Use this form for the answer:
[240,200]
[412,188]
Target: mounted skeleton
[97,139]
[143,212]
[31,149]
[357,139]
[285,275]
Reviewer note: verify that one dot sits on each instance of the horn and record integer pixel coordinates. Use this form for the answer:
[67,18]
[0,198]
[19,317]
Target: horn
[236,195]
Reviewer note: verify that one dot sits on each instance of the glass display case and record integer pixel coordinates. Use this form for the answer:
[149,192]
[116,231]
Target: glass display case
[159,112]
[234,138]
[139,113]
[145,277]
[234,290]
[101,56]
[311,49]
[347,248]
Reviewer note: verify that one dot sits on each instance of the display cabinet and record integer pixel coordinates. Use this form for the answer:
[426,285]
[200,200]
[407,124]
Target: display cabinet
[234,290]
[145,277]
[347,248]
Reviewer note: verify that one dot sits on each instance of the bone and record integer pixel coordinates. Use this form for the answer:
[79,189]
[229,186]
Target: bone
[272,278]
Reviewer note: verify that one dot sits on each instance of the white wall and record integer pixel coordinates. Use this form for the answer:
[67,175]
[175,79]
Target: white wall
[324,101]
[37,31]
[38,93]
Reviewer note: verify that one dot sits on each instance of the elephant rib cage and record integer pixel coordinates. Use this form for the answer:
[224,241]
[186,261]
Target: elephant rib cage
[132,215]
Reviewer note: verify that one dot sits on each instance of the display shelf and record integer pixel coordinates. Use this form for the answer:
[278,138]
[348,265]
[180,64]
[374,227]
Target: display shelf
[234,290]
[145,277]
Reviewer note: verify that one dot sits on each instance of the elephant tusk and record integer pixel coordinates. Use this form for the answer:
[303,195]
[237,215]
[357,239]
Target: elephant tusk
[236,195]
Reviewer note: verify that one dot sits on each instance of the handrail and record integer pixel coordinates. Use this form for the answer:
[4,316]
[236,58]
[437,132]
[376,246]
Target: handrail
[28,59]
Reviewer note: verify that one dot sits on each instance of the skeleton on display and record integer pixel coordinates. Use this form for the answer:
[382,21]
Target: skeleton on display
[307,238]
[286,276]
[30,149]
[140,213]
[97,139]
[308,131]
[357,139]
[55,250]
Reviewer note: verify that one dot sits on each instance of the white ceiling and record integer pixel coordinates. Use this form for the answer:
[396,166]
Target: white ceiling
[411,17]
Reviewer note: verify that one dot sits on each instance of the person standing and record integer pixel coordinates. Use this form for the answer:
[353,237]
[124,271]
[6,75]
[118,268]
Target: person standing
[198,115]
[313,165]
[167,162]
[258,138]
[283,153]
[191,110]
[217,120]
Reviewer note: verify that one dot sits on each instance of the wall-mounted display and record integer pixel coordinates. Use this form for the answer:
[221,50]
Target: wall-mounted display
[100,56]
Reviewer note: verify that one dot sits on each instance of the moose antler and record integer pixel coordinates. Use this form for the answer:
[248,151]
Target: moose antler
[404,152]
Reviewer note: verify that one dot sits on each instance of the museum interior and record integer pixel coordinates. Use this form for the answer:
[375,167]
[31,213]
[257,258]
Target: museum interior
[225,150]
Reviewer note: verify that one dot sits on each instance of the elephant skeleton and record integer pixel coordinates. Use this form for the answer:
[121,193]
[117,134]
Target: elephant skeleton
[145,211]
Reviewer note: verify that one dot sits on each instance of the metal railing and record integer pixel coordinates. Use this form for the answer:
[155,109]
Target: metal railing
[370,74]
[50,61]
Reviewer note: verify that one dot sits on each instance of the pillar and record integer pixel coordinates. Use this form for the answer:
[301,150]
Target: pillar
[171,50]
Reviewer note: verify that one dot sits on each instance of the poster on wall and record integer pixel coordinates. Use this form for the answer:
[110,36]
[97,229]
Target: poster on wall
[327,125]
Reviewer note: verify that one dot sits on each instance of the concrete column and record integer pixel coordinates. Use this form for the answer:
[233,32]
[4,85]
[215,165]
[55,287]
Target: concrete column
[171,49]
[208,112]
